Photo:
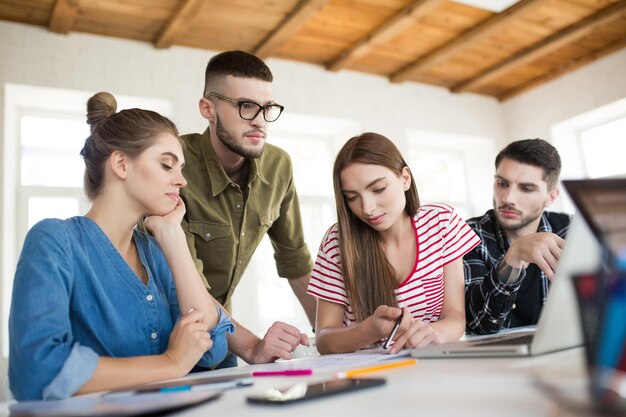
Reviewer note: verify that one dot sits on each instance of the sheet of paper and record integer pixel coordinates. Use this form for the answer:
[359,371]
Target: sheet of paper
[340,361]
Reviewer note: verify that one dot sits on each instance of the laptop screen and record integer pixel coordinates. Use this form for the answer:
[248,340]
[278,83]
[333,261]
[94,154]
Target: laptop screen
[602,202]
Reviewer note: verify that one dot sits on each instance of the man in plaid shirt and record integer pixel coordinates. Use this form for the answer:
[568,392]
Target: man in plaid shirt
[507,276]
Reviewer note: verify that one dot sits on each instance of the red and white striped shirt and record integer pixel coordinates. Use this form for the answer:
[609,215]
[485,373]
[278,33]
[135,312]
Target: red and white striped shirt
[441,237]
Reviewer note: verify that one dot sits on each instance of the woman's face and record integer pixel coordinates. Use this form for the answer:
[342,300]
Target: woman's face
[375,194]
[155,176]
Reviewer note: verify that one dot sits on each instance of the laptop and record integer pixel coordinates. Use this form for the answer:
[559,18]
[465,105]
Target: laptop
[602,203]
[558,327]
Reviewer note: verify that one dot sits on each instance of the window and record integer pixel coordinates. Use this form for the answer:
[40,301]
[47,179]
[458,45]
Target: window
[51,170]
[42,170]
[447,169]
[591,145]
[604,148]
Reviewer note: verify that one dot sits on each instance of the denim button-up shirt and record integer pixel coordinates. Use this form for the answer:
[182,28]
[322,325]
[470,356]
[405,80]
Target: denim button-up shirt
[75,299]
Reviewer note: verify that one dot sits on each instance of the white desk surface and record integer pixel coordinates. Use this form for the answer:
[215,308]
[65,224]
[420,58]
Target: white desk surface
[435,387]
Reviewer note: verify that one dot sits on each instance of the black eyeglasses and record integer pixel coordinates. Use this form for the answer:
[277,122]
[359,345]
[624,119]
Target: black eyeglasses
[249,110]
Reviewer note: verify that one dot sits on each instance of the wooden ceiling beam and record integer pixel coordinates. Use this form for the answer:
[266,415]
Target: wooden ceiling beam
[544,47]
[63,16]
[478,32]
[396,24]
[567,67]
[298,17]
[180,17]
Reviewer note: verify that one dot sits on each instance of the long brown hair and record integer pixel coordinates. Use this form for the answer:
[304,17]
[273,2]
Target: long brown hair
[368,275]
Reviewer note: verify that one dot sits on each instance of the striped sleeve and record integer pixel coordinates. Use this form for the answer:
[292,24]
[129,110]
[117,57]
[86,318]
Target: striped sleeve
[326,280]
[458,237]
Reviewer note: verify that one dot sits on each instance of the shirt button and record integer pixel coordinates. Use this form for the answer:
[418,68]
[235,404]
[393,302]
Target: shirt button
[513,307]
[208,235]
[243,234]
[238,205]
[153,335]
[494,321]
[149,297]
[507,293]
[239,262]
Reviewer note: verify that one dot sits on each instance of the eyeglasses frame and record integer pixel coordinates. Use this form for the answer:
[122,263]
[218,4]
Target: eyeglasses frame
[240,102]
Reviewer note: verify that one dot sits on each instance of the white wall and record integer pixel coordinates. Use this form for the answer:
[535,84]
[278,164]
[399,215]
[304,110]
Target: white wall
[563,102]
[533,114]
[32,55]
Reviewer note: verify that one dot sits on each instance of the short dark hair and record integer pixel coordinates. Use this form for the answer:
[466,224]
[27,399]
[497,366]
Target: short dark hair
[235,63]
[536,152]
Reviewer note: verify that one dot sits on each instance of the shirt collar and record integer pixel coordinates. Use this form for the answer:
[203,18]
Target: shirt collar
[219,179]
[544,224]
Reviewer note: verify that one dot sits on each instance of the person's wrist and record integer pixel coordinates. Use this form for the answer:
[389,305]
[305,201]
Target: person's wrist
[511,260]
[509,274]
[171,365]
[170,236]
[372,330]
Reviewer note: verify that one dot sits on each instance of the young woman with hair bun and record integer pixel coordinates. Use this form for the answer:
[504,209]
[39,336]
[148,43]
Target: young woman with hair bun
[98,304]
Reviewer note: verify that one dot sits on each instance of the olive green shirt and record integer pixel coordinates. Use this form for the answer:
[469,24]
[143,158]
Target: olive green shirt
[223,228]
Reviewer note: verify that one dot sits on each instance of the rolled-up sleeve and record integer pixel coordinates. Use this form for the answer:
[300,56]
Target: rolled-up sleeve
[293,259]
[76,371]
[218,333]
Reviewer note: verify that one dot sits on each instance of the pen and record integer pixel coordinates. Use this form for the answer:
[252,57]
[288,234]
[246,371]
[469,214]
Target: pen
[287,372]
[393,332]
[375,368]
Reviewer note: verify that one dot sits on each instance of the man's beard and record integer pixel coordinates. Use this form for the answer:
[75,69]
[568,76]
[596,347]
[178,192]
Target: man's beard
[229,141]
[523,222]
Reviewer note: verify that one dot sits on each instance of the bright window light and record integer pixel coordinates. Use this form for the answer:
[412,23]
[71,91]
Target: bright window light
[50,150]
[604,148]
[40,208]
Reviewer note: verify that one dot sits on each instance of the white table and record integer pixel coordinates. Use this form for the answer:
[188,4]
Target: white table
[436,387]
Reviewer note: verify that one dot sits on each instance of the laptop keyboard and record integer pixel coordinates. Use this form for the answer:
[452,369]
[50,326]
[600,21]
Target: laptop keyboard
[518,340]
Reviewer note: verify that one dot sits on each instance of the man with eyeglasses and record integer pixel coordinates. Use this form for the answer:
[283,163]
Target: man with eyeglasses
[240,188]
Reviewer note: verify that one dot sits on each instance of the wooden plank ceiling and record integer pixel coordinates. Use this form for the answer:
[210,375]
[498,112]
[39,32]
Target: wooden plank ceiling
[440,42]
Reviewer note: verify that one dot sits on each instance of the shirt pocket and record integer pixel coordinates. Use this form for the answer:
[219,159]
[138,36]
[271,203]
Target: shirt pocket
[268,218]
[216,248]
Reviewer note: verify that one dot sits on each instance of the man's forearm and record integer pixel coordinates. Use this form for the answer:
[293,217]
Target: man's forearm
[489,303]
[309,304]
[242,342]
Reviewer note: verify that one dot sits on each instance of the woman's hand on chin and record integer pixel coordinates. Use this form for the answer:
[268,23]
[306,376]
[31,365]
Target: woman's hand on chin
[157,224]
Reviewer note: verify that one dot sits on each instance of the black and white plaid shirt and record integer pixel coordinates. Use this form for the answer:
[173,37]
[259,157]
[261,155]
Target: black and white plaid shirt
[491,305]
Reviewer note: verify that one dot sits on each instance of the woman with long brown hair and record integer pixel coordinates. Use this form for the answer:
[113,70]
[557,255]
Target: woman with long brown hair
[387,257]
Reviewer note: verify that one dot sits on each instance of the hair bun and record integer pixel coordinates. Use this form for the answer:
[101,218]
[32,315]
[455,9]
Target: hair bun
[100,107]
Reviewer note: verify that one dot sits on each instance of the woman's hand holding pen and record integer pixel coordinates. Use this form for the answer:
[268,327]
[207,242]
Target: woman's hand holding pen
[382,321]
[408,334]
[189,340]
[413,333]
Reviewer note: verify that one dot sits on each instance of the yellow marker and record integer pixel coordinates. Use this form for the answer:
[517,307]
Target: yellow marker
[376,368]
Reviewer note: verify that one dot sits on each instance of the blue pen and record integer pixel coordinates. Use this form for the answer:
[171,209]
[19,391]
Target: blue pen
[176,389]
